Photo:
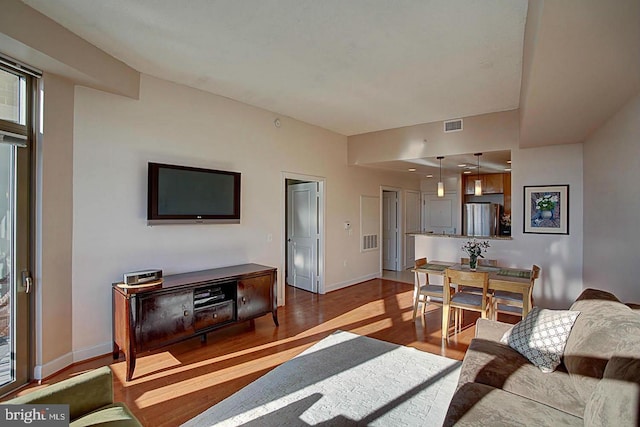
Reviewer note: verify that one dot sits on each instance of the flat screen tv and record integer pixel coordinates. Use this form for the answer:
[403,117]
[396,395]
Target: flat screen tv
[182,194]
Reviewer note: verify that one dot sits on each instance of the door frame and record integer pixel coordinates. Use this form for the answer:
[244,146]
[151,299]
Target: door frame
[400,232]
[283,235]
[24,241]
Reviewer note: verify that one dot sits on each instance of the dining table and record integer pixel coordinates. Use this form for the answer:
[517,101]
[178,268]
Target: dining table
[509,279]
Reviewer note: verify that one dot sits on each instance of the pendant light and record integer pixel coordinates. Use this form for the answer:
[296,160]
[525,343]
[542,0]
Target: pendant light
[440,183]
[478,186]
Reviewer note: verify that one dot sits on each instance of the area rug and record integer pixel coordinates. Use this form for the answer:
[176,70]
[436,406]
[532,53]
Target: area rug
[344,380]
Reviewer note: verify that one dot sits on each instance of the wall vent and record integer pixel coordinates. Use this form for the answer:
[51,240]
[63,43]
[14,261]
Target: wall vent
[369,242]
[453,125]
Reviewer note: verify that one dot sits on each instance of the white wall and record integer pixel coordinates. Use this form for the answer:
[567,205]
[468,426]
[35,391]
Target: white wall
[115,137]
[612,204]
[559,256]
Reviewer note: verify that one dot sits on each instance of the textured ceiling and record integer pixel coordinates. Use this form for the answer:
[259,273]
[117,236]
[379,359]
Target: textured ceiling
[349,66]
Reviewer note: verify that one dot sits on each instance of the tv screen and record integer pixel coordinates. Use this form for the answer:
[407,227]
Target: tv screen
[182,194]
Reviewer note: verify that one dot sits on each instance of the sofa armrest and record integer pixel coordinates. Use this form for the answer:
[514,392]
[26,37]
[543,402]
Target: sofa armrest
[491,330]
[83,393]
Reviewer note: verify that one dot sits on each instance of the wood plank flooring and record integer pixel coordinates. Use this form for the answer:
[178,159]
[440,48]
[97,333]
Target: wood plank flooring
[173,384]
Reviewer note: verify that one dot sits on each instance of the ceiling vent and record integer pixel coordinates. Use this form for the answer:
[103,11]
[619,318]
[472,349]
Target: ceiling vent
[453,125]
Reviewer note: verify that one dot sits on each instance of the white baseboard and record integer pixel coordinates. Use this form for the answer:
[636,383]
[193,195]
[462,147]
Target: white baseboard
[91,352]
[47,369]
[43,371]
[336,286]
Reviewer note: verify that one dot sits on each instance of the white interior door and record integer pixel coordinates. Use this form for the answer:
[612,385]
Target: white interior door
[303,236]
[412,225]
[390,230]
[440,214]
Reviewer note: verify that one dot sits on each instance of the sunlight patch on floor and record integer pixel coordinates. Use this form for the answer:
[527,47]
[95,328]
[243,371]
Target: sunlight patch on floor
[215,377]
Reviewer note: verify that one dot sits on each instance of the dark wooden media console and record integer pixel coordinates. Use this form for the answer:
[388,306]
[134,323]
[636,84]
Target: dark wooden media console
[188,305]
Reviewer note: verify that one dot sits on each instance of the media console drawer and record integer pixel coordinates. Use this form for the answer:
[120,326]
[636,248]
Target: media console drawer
[189,305]
[214,315]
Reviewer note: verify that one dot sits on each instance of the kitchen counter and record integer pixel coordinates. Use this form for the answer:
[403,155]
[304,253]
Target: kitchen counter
[460,236]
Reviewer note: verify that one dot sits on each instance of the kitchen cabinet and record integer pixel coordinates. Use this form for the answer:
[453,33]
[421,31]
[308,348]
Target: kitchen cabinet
[492,183]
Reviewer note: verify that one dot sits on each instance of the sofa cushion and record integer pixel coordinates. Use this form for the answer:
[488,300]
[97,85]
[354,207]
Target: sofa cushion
[604,326]
[491,329]
[481,405]
[541,336]
[616,399]
[498,365]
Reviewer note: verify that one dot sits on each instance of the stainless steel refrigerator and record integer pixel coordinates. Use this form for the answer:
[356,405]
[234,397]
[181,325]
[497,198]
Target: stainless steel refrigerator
[481,219]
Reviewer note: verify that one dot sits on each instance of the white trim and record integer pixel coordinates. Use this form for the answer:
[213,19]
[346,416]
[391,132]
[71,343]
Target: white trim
[91,352]
[43,371]
[283,230]
[340,285]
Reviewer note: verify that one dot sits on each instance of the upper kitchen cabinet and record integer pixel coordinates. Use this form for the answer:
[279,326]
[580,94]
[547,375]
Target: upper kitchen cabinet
[492,183]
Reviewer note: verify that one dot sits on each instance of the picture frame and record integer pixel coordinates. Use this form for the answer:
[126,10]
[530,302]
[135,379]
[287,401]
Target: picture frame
[546,209]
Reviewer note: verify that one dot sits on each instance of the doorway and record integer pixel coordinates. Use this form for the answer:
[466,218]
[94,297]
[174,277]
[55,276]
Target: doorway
[304,232]
[391,236]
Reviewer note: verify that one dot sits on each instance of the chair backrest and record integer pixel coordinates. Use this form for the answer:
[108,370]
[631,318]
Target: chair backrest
[420,262]
[535,273]
[481,261]
[476,279]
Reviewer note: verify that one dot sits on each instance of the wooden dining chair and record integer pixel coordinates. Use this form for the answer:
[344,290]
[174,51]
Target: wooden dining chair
[462,300]
[511,302]
[424,293]
[481,261]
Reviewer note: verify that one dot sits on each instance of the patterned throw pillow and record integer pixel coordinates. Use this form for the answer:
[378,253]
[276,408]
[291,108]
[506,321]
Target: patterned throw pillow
[541,336]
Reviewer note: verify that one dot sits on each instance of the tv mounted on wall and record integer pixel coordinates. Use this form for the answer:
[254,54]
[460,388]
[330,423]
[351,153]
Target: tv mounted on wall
[182,194]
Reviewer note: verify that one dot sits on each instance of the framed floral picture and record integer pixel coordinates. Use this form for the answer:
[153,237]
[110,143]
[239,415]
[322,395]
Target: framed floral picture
[546,209]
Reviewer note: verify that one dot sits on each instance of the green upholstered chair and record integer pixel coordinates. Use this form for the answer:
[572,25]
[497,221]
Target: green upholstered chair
[90,400]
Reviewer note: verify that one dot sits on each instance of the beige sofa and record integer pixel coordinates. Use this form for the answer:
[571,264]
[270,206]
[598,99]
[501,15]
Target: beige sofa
[597,383]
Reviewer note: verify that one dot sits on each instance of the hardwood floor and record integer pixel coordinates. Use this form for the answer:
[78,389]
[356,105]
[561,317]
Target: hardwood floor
[173,384]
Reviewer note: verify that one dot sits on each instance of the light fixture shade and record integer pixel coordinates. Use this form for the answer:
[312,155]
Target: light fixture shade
[478,186]
[440,183]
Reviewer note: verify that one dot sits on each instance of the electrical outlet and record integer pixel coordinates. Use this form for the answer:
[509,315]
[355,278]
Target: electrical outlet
[269,237]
